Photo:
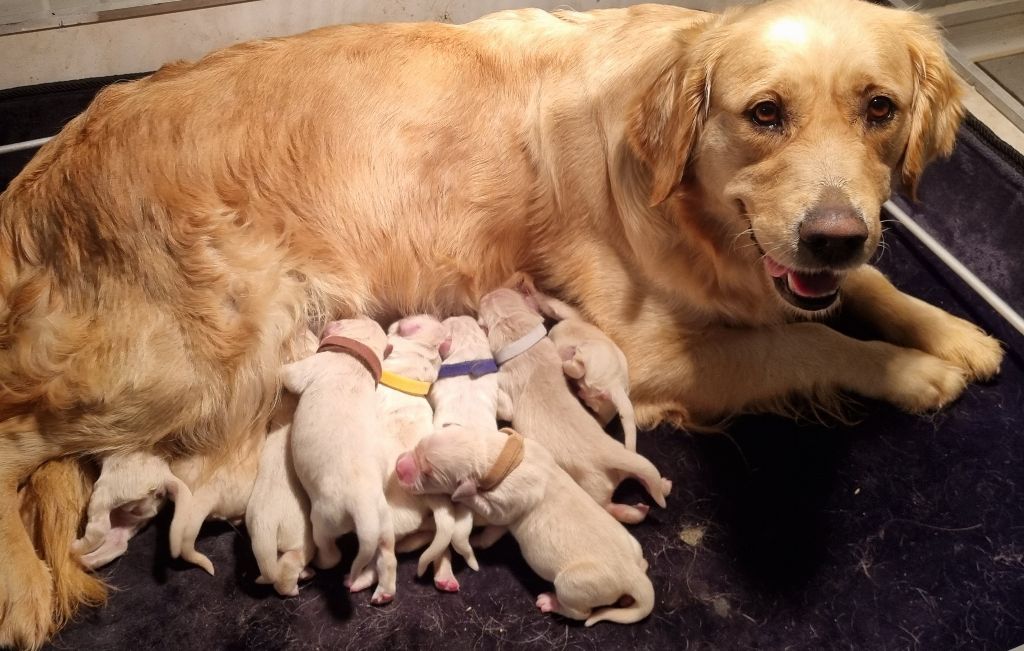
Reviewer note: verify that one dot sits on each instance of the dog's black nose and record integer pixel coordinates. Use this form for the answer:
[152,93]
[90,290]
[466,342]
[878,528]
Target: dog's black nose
[833,231]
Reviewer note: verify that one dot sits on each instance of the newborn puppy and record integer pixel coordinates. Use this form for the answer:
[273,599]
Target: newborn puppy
[220,490]
[129,492]
[466,389]
[337,450]
[534,397]
[277,517]
[405,418]
[598,569]
[589,358]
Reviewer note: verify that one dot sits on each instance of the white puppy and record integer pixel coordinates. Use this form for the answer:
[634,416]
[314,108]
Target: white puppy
[598,569]
[130,490]
[337,451]
[406,417]
[534,397]
[220,491]
[277,517]
[466,389]
[589,357]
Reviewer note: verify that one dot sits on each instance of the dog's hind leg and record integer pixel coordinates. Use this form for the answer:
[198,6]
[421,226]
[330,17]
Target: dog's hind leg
[36,599]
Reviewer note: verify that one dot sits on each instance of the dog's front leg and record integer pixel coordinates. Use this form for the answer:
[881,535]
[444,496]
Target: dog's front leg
[730,370]
[908,321]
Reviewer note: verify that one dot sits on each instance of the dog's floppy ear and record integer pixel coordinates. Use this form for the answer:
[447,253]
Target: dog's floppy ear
[936,111]
[667,118]
[465,490]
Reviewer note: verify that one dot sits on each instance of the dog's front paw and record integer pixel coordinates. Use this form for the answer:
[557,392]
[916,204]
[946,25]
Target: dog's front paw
[918,382]
[964,344]
[547,602]
[26,603]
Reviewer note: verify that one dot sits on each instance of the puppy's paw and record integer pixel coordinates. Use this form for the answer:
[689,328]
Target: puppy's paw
[26,603]
[918,382]
[628,514]
[381,598]
[367,578]
[446,584]
[547,602]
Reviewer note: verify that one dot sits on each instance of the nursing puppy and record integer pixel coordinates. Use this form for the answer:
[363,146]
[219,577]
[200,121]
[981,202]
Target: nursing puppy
[466,389]
[150,293]
[220,489]
[129,492]
[564,536]
[405,418]
[337,451]
[277,517]
[534,397]
[589,357]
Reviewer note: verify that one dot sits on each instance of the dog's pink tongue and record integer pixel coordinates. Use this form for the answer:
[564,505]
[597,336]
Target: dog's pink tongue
[813,285]
[774,269]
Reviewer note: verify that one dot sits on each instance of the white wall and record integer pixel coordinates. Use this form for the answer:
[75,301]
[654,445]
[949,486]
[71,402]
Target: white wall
[143,44]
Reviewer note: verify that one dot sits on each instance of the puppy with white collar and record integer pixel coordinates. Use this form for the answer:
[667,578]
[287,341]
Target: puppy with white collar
[405,415]
[129,492]
[337,452]
[589,358]
[534,397]
[597,567]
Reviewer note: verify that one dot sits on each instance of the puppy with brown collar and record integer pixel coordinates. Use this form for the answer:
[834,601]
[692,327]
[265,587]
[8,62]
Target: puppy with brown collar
[336,449]
[534,397]
[597,567]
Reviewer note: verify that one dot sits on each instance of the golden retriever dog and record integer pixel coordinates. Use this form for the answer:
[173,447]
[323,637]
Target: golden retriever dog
[701,187]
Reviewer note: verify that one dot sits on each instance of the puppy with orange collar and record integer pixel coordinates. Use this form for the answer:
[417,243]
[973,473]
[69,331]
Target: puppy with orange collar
[597,567]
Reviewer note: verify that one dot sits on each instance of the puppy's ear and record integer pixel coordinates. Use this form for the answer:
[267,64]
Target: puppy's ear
[465,490]
[667,118]
[387,350]
[936,110]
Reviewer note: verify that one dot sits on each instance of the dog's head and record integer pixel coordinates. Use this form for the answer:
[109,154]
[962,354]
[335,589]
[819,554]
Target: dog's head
[446,462]
[790,119]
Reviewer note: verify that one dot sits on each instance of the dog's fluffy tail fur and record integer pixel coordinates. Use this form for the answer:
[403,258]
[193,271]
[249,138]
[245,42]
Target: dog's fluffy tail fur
[52,503]
[643,604]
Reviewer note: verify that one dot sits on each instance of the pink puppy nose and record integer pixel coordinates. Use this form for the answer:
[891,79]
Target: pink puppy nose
[406,469]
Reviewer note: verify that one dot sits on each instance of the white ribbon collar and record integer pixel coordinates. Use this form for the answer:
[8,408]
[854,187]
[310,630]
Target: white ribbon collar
[521,345]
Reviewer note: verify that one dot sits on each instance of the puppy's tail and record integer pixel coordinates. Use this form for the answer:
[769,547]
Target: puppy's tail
[188,520]
[624,406]
[53,501]
[368,520]
[264,548]
[643,603]
[638,467]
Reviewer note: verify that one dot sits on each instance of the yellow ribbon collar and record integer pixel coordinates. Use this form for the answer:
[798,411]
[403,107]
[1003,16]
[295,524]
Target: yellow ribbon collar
[404,384]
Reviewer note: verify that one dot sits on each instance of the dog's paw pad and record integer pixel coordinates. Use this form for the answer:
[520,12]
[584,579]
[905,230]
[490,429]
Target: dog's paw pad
[547,602]
[447,585]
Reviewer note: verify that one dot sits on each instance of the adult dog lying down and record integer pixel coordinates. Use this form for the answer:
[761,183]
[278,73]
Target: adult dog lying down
[700,187]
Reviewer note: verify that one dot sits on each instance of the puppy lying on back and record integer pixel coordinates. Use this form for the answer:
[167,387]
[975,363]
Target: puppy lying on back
[129,492]
[405,418]
[277,517]
[534,397]
[337,451]
[220,490]
[589,357]
[598,569]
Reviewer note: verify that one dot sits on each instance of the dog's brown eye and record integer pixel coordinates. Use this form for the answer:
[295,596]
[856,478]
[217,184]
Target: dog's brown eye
[880,109]
[767,114]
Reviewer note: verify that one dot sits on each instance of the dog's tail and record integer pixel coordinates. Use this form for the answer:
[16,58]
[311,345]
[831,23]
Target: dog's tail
[638,467]
[264,548]
[189,515]
[642,604]
[53,501]
[368,518]
[624,406]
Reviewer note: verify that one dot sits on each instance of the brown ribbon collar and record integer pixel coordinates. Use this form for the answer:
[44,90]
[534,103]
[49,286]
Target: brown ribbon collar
[357,349]
[509,458]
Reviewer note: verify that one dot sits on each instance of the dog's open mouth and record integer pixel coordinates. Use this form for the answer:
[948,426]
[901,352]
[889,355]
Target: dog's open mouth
[811,291]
